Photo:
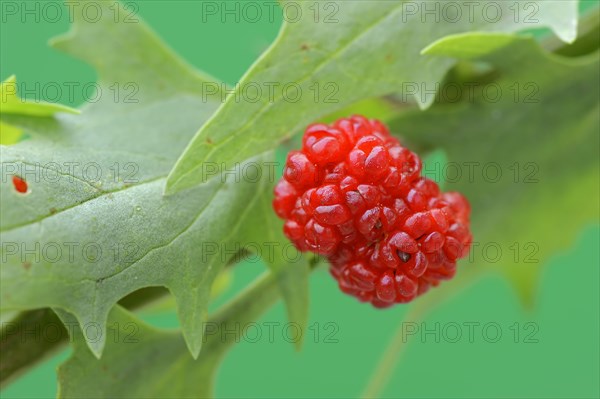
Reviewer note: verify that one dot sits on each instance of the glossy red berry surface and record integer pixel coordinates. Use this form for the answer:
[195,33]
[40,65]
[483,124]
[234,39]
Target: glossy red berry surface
[356,196]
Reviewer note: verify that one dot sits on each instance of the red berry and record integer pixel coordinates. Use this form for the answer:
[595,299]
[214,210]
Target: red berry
[356,196]
[324,145]
[285,199]
[300,172]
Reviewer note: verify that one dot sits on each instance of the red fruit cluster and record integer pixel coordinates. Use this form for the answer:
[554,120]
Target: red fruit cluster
[356,196]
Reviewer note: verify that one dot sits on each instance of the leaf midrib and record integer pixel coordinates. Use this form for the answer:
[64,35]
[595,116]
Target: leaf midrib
[267,105]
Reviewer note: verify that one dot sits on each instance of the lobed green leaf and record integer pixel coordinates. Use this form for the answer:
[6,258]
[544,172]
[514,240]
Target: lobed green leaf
[94,225]
[352,50]
[522,148]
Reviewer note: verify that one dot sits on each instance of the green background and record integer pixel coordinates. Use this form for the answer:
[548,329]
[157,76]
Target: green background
[564,362]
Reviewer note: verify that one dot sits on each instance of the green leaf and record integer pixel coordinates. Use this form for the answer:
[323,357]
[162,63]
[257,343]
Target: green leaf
[541,134]
[10,103]
[94,225]
[140,361]
[13,104]
[350,51]
[468,45]
[9,134]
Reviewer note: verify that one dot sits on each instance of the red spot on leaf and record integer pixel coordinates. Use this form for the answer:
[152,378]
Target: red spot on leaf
[20,184]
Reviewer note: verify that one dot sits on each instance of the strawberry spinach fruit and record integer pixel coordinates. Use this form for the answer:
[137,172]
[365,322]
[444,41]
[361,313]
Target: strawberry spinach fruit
[355,195]
[510,103]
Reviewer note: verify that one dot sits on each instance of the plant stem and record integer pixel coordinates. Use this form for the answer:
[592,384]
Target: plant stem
[397,345]
[391,355]
[21,349]
[243,309]
[23,343]
[21,346]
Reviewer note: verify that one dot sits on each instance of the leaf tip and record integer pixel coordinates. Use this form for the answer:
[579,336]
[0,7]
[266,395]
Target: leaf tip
[568,31]
[299,343]
[525,290]
[193,342]
[12,79]
[96,349]
[60,42]
[179,181]
[568,35]
[170,186]
[430,49]
[66,109]
[469,45]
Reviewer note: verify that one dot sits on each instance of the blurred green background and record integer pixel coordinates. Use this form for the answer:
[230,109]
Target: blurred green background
[561,361]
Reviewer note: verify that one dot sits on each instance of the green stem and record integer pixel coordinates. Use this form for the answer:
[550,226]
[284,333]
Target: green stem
[397,345]
[23,345]
[21,349]
[243,309]
[392,354]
